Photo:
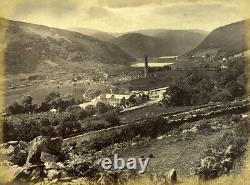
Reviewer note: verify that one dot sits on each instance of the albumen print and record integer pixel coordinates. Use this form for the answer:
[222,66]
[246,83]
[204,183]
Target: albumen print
[113,92]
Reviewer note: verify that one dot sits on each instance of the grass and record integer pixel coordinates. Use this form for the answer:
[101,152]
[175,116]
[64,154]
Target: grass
[150,110]
[164,78]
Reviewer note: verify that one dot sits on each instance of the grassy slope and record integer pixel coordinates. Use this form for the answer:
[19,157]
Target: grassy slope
[228,39]
[157,43]
[30,45]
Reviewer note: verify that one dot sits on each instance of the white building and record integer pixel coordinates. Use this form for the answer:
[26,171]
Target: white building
[153,93]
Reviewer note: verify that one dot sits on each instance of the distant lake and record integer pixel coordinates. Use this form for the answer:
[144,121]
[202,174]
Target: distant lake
[152,64]
[168,57]
[156,62]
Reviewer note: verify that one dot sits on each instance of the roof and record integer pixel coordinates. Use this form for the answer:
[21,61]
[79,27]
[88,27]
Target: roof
[158,89]
[117,96]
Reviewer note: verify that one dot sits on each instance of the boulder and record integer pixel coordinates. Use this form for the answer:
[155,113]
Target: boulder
[46,157]
[56,145]
[172,176]
[38,145]
[43,144]
[13,173]
[23,145]
[7,150]
[53,174]
[13,143]
[51,165]
[36,174]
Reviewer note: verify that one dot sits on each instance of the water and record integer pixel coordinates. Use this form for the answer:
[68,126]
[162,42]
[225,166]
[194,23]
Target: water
[169,57]
[156,62]
[152,64]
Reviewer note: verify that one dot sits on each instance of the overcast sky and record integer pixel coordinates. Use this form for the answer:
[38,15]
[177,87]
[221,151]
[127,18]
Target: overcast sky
[128,15]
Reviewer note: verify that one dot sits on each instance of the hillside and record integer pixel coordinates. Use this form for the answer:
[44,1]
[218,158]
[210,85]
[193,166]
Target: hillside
[30,46]
[159,42]
[224,41]
[100,35]
[137,45]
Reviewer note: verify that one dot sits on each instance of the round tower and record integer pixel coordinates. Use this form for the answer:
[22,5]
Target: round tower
[146,66]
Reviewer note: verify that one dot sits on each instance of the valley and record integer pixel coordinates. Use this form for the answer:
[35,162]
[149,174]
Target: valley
[178,97]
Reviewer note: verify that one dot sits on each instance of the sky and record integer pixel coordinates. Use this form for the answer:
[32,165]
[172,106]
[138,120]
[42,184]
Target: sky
[126,15]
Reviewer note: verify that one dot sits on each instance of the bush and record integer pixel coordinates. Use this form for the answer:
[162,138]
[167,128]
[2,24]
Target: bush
[91,110]
[101,108]
[112,118]
[220,157]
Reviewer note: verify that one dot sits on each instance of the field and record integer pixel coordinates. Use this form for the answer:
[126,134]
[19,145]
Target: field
[148,111]
[163,79]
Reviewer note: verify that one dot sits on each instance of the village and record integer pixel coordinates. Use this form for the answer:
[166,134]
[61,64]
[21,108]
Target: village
[134,99]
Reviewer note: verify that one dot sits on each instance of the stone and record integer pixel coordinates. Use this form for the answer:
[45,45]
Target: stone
[13,143]
[36,174]
[172,176]
[51,165]
[7,151]
[43,144]
[229,151]
[55,145]
[13,173]
[38,145]
[52,174]
[23,145]
[46,157]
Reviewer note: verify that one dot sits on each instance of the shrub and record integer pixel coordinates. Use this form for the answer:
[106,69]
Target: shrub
[101,108]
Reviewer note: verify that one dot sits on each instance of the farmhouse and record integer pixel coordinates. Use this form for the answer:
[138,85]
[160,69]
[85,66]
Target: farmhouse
[114,99]
[158,93]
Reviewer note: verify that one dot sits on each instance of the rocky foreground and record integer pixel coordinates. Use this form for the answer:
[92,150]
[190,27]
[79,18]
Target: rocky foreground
[46,159]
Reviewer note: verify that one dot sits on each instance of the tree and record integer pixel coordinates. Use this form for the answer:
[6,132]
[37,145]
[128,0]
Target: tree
[132,100]
[112,118]
[101,108]
[222,97]
[91,110]
[52,96]
[235,89]
[43,107]
[177,96]
[27,100]
[78,112]
[16,108]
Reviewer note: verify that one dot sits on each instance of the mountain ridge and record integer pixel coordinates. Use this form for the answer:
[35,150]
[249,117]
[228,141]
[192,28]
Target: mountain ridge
[225,40]
[30,44]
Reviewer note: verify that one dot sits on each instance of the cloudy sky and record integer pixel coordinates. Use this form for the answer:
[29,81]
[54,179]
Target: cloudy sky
[126,15]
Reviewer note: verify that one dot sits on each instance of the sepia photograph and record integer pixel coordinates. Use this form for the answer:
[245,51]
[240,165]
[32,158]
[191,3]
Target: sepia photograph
[124,92]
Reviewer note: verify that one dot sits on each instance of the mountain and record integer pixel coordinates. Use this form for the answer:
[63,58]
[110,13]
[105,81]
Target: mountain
[138,45]
[100,35]
[159,42]
[224,41]
[30,45]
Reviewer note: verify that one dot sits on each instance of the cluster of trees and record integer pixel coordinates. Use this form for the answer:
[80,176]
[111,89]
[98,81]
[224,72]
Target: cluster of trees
[73,121]
[134,100]
[227,85]
[51,101]
[70,119]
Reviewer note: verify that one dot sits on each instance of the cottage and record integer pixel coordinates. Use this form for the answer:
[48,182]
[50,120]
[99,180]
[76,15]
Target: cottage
[158,93]
[114,99]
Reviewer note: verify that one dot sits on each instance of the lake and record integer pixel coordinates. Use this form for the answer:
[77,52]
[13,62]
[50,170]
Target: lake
[152,64]
[156,62]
